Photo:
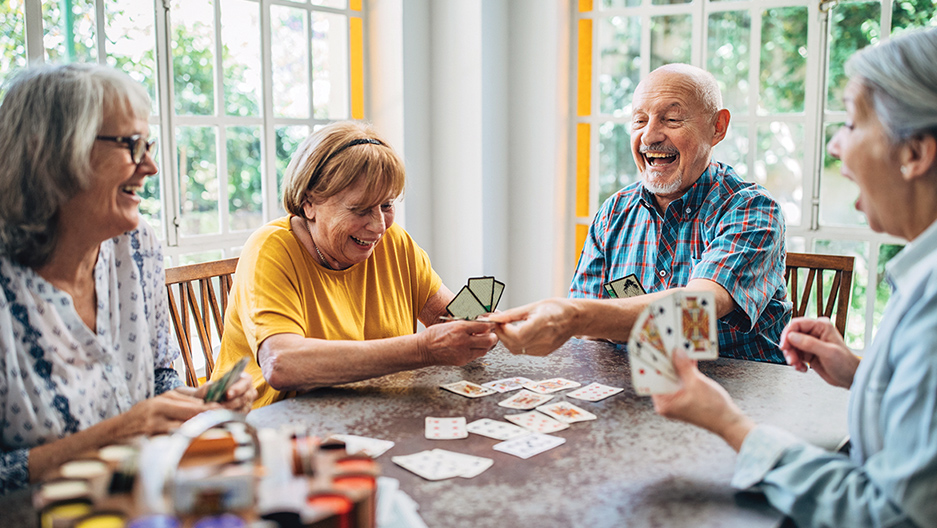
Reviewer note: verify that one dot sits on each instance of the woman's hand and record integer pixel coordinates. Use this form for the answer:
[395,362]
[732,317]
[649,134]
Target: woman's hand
[815,343]
[703,403]
[536,329]
[456,343]
[162,414]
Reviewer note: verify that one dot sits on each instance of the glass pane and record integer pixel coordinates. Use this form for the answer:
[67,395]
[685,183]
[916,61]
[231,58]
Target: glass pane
[733,150]
[198,180]
[240,57]
[68,31]
[12,39]
[330,66]
[886,252]
[837,194]
[797,244]
[853,26]
[288,139]
[616,164]
[193,63]
[619,63]
[289,52]
[669,39]
[606,4]
[198,258]
[779,166]
[783,60]
[909,14]
[245,162]
[338,4]
[131,43]
[151,205]
[728,57]
[668,2]
[855,322]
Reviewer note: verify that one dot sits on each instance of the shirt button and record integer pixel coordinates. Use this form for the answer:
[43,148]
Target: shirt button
[689,210]
[662,273]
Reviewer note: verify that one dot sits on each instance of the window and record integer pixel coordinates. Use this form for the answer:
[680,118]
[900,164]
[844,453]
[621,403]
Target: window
[780,67]
[236,86]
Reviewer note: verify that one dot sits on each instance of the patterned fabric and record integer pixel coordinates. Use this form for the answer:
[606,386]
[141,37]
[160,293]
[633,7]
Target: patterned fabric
[890,476]
[723,229]
[56,375]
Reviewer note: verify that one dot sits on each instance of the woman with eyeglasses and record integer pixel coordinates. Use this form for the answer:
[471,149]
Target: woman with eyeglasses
[888,147]
[85,345]
[332,293]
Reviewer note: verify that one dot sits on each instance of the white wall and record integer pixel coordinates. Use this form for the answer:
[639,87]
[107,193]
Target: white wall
[474,94]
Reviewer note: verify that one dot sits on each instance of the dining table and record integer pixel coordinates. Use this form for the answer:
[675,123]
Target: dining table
[628,467]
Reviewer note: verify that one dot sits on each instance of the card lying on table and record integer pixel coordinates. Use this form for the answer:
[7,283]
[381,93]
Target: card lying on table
[537,422]
[440,464]
[594,392]
[445,428]
[525,400]
[496,429]
[552,385]
[530,445]
[566,412]
[479,297]
[468,389]
[685,320]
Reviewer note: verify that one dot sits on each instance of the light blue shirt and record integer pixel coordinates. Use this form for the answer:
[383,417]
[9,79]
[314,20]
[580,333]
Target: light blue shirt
[890,477]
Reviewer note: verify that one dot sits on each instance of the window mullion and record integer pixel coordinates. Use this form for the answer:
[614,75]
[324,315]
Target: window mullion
[35,50]
[268,183]
[221,142]
[817,90]
[170,181]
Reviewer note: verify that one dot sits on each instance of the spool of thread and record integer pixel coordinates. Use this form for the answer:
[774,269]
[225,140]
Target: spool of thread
[116,454]
[63,514]
[59,490]
[104,519]
[94,471]
[362,488]
[335,505]
[227,520]
[155,521]
[356,465]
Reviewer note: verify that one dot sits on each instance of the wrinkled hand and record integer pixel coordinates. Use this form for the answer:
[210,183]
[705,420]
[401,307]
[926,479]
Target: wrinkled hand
[704,403]
[815,343]
[536,329]
[164,413]
[456,343]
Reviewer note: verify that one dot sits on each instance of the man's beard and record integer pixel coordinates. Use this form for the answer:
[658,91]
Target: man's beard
[656,187]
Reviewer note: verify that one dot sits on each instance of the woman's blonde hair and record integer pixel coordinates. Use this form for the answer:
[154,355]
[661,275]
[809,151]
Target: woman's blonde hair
[338,156]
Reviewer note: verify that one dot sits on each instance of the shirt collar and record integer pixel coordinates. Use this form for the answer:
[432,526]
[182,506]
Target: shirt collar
[905,267]
[685,206]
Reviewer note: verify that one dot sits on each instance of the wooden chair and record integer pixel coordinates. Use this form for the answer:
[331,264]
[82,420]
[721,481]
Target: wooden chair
[214,284]
[837,295]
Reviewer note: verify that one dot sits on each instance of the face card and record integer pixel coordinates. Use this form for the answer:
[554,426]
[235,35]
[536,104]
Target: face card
[648,380]
[647,345]
[506,384]
[372,447]
[430,465]
[468,389]
[536,422]
[530,445]
[465,305]
[497,290]
[566,412]
[594,392]
[624,287]
[664,314]
[483,288]
[495,429]
[445,428]
[472,466]
[525,400]
[551,385]
[696,325]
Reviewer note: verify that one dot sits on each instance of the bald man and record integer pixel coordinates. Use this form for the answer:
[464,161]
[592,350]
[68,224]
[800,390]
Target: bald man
[690,224]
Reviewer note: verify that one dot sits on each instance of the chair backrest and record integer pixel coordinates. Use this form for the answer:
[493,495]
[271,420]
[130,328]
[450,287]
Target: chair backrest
[811,269]
[206,308]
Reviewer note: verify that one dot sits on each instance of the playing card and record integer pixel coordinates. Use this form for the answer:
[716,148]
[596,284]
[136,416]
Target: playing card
[696,325]
[663,312]
[217,390]
[594,392]
[465,305]
[525,400]
[647,345]
[536,422]
[506,384]
[496,429]
[445,428]
[497,290]
[468,389]
[624,287]
[648,380]
[430,465]
[470,465]
[530,445]
[566,412]
[483,288]
[551,385]
[372,447]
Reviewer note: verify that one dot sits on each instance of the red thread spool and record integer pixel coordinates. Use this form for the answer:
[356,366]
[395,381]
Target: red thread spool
[339,505]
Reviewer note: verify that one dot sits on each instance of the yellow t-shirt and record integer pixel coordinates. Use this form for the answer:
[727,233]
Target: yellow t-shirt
[279,288]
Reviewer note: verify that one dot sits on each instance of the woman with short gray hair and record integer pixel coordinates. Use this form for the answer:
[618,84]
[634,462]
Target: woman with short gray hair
[85,351]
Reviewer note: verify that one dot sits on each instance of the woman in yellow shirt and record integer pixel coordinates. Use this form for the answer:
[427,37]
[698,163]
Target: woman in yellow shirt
[332,293]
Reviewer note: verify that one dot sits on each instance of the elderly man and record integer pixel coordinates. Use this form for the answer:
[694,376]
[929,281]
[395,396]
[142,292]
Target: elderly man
[689,223]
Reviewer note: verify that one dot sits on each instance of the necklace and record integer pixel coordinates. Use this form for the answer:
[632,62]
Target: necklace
[314,246]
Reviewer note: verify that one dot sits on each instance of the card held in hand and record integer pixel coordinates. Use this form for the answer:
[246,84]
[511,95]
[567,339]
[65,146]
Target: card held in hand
[217,391]
[696,325]
[624,287]
[466,305]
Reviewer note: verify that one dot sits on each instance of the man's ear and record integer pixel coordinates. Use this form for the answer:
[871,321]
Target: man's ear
[721,126]
[918,156]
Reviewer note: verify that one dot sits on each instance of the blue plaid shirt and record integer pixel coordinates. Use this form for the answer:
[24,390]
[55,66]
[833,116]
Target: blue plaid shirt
[723,229]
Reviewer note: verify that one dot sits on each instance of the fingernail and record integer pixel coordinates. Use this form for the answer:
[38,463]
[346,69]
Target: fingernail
[794,338]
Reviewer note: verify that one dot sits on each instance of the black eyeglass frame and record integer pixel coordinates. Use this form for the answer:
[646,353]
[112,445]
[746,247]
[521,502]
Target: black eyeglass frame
[138,146]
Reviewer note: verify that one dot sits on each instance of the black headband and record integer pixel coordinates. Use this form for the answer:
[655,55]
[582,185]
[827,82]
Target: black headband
[362,141]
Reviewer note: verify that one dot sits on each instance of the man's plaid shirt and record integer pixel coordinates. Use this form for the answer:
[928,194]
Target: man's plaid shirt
[723,229]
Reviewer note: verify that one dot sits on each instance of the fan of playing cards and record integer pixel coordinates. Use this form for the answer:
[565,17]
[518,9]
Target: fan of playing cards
[685,320]
[479,297]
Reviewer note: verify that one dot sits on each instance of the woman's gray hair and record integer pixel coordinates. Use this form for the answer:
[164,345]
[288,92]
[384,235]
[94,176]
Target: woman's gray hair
[900,80]
[48,122]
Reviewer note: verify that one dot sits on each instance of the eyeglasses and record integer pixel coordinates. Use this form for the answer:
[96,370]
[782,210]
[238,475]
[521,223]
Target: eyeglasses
[136,143]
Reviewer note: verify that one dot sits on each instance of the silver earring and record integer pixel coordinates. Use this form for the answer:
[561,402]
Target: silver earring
[905,170]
